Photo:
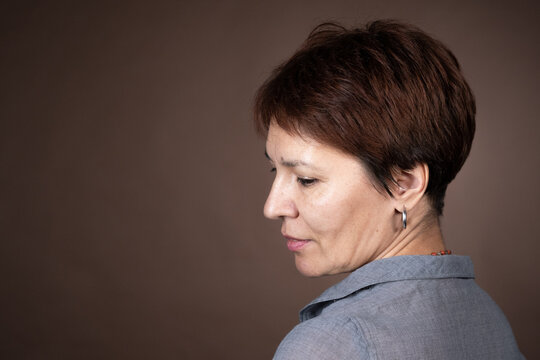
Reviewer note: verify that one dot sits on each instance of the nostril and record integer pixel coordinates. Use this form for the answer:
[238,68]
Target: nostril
[277,209]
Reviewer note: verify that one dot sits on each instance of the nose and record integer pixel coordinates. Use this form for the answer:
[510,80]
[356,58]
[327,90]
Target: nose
[280,202]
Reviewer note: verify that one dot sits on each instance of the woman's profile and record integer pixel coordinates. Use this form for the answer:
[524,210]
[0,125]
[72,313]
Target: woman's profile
[365,128]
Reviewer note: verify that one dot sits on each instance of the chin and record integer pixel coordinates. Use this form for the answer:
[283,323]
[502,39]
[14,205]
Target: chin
[309,269]
[314,269]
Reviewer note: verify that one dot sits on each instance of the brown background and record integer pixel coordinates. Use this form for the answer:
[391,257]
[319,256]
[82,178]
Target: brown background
[132,183]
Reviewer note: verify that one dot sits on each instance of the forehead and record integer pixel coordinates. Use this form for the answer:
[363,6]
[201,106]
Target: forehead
[285,145]
[281,139]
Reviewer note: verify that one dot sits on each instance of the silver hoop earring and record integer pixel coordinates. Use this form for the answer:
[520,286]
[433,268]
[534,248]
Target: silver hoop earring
[404,217]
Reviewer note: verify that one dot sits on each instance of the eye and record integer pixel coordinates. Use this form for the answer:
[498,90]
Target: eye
[306,181]
[273,169]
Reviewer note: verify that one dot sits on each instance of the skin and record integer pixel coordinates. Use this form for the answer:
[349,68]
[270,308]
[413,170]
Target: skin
[333,218]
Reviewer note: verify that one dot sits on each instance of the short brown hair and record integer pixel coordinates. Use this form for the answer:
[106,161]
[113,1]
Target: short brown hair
[387,93]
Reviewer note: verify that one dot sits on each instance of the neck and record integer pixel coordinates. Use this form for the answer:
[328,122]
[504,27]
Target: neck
[422,237]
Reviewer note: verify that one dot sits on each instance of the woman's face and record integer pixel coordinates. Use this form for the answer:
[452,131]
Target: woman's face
[333,218]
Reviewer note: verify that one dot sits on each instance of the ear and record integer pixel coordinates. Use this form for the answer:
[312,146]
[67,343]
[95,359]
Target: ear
[410,186]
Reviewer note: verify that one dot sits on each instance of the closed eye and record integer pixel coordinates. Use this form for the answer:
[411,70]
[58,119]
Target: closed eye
[306,181]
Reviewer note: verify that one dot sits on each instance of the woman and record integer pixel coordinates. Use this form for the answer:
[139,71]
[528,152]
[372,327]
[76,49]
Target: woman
[365,129]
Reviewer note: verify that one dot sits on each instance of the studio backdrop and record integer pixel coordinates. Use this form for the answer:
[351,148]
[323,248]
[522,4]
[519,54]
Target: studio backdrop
[132,181]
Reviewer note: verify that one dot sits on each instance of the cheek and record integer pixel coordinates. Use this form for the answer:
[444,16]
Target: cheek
[338,214]
[330,213]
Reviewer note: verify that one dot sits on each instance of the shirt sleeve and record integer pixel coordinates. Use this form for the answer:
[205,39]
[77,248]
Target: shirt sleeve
[317,339]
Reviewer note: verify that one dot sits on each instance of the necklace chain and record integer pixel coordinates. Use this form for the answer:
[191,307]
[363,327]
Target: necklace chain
[442,252]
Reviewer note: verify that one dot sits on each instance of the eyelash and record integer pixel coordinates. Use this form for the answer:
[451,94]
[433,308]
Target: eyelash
[306,181]
[302,181]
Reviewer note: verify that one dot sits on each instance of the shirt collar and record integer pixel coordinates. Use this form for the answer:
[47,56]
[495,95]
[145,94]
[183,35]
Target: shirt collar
[406,267]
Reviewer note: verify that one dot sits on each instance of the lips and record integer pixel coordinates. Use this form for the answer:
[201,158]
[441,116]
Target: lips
[294,244]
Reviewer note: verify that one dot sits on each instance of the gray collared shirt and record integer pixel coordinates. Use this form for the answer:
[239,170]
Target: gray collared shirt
[404,307]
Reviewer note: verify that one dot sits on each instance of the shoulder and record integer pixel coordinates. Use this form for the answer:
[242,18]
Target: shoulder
[323,338]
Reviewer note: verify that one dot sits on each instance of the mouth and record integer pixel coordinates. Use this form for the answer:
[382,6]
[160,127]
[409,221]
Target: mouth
[294,244]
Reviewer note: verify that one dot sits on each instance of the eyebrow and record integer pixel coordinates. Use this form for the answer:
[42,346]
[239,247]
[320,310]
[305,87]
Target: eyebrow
[286,163]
